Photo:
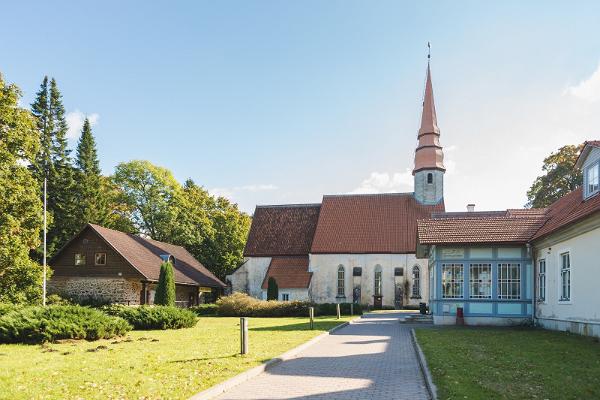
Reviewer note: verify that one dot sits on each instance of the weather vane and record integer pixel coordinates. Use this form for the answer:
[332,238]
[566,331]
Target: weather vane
[428,50]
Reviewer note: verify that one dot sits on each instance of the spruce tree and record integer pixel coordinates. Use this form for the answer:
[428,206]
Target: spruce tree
[54,162]
[90,188]
[165,291]
[272,289]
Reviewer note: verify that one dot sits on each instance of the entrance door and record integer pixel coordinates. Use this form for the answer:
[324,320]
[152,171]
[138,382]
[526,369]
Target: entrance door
[377,302]
[398,296]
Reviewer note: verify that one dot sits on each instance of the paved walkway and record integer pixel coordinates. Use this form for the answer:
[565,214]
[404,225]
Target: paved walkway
[372,358]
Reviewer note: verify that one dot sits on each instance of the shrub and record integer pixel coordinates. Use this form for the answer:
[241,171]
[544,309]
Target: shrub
[204,309]
[272,289]
[242,305]
[165,291]
[154,317]
[43,324]
[57,300]
[5,308]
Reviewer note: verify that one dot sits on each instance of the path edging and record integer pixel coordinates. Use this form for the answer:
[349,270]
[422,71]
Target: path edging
[222,387]
[423,366]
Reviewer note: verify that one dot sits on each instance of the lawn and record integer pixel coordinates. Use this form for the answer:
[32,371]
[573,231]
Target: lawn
[171,364]
[510,363]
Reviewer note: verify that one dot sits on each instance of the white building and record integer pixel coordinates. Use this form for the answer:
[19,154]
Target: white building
[350,248]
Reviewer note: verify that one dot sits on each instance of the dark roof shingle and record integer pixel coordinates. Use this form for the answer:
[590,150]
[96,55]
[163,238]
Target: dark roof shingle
[144,255]
[289,272]
[374,223]
[282,230]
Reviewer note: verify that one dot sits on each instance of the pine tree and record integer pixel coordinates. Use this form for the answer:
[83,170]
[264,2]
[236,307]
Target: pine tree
[92,197]
[53,161]
[272,289]
[165,291]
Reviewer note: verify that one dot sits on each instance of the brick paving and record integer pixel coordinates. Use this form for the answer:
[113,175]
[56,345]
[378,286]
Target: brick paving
[372,358]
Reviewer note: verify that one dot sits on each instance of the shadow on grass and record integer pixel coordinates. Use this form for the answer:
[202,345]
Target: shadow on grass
[189,360]
[302,326]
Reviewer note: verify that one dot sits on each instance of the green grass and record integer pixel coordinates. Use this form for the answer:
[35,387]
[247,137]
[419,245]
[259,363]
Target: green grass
[511,363]
[171,364]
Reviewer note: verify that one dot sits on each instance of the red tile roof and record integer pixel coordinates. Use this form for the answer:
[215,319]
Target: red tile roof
[144,255]
[567,210]
[511,226]
[282,230]
[289,272]
[374,223]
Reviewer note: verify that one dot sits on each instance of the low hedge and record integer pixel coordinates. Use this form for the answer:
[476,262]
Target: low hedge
[48,324]
[204,309]
[242,305]
[5,308]
[153,317]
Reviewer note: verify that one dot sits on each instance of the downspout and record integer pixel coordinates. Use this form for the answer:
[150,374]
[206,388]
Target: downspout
[533,280]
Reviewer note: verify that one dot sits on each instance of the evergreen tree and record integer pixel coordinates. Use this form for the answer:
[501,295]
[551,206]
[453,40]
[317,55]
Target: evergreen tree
[54,162]
[20,205]
[165,291]
[272,289]
[92,203]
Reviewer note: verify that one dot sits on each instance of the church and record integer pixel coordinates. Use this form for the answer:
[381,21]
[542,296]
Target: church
[357,248]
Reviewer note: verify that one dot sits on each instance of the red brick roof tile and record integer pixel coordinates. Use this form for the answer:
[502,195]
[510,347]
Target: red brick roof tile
[511,226]
[289,272]
[282,230]
[144,255]
[374,223]
[567,210]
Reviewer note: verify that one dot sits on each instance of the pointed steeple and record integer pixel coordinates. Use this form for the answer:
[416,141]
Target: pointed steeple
[429,155]
[428,117]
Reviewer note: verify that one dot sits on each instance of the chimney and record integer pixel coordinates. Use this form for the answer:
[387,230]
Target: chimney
[470,207]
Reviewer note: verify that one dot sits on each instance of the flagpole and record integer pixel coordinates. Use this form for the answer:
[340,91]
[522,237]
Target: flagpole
[44,283]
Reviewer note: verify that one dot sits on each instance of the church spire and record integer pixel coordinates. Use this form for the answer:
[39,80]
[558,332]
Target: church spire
[429,157]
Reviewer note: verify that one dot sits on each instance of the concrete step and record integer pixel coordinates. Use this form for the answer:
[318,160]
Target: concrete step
[418,319]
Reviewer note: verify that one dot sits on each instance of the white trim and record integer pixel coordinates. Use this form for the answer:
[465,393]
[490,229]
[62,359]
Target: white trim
[586,192]
[537,281]
[559,254]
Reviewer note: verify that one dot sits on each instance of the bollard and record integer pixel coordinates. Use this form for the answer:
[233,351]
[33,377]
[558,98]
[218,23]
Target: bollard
[337,310]
[311,316]
[351,309]
[244,335]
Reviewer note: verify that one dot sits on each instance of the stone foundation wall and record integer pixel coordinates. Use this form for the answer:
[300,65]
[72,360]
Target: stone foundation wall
[115,290]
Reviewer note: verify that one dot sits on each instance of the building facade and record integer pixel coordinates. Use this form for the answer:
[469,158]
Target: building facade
[350,248]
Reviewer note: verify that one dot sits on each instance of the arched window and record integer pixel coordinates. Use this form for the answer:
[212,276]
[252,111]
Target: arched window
[341,279]
[430,178]
[416,287]
[378,282]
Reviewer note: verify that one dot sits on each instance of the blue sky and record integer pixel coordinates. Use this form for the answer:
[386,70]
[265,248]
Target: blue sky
[281,102]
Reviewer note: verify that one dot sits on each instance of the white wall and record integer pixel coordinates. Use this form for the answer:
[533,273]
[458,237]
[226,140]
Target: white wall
[324,280]
[249,277]
[584,251]
[294,294]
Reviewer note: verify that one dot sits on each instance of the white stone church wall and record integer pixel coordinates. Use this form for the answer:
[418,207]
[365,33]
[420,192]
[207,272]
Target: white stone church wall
[324,280]
[249,277]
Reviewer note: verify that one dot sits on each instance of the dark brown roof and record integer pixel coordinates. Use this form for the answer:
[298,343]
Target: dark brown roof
[374,223]
[282,230]
[510,226]
[144,255]
[289,272]
[567,210]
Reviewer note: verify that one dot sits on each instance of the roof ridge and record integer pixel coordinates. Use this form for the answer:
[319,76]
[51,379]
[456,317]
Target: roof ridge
[371,194]
[288,205]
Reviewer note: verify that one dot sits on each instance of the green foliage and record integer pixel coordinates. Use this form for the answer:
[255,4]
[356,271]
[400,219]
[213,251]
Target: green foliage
[165,290]
[20,204]
[272,289]
[560,177]
[46,324]
[53,161]
[57,300]
[154,317]
[242,305]
[5,308]
[204,309]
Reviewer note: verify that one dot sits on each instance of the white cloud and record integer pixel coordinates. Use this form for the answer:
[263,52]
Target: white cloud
[75,121]
[588,89]
[385,182]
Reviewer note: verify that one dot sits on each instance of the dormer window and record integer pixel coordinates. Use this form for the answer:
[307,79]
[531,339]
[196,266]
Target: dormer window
[430,178]
[592,180]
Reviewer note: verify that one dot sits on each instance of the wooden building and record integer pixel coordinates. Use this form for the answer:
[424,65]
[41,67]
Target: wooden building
[108,265]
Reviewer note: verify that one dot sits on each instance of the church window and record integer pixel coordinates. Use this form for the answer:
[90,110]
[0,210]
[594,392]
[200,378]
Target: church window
[341,275]
[430,178]
[416,285]
[378,281]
